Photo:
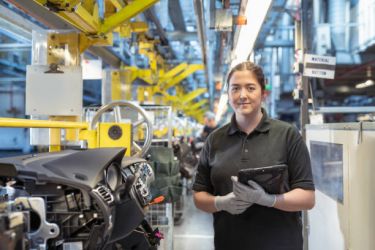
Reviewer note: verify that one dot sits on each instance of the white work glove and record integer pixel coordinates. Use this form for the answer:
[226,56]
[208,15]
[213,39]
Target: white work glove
[231,204]
[253,193]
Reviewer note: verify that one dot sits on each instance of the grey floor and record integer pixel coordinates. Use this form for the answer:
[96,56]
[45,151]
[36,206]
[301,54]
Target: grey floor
[195,231]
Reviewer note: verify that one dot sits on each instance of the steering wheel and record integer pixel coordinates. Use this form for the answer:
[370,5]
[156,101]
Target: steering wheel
[137,150]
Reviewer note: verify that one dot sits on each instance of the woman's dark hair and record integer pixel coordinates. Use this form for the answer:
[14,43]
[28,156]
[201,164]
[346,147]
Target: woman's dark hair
[252,67]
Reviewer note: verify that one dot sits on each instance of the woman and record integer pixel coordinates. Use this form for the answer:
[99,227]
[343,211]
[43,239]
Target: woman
[245,216]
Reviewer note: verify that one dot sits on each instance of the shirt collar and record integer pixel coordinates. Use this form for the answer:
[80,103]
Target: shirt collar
[263,126]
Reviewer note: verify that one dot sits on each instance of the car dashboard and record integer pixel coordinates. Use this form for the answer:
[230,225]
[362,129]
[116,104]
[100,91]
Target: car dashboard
[76,199]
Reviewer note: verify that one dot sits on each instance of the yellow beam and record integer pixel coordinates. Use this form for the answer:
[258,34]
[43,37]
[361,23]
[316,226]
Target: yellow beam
[116,93]
[127,28]
[173,72]
[124,14]
[86,16]
[139,27]
[124,30]
[169,98]
[152,61]
[54,139]
[41,2]
[198,104]
[198,115]
[73,21]
[86,41]
[130,74]
[190,111]
[117,3]
[190,70]
[89,5]
[90,136]
[189,97]
[81,19]
[26,123]
[71,134]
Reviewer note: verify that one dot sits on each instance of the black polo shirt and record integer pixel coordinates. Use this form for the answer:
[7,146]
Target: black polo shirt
[228,150]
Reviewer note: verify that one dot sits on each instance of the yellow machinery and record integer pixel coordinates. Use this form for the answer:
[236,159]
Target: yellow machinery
[97,134]
[54,78]
[57,58]
[157,81]
[97,20]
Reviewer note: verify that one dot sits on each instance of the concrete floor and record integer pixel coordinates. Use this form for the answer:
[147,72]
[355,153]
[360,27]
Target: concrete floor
[195,231]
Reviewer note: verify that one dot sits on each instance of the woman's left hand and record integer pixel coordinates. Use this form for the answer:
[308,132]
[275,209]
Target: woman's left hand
[253,193]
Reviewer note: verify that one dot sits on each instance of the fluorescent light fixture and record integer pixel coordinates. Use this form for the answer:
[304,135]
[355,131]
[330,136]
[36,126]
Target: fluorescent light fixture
[343,89]
[365,84]
[255,12]
[222,106]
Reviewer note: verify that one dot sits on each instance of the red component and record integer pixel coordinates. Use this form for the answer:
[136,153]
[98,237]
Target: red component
[157,200]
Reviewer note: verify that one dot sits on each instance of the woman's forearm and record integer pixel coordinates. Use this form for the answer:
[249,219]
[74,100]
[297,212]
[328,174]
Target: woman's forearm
[296,200]
[205,201]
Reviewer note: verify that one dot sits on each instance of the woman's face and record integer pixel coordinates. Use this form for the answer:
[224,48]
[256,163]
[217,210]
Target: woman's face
[245,93]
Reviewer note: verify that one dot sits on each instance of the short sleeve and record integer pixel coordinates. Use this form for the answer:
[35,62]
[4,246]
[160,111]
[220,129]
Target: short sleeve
[300,174]
[202,178]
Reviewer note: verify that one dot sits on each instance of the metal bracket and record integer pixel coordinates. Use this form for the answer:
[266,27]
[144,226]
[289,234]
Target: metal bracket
[54,68]
[46,230]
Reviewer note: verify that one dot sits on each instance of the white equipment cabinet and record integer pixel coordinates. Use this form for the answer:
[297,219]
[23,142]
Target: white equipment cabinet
[343,162]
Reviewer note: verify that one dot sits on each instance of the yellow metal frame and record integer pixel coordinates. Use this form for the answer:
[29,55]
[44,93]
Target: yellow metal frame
[57,41]
[25,123]
[172,73]
[192,95]
[127,28]
[199,104]
[95,138]
[188,71]
[117,3]
[127,12]
[84,14]
[81,19]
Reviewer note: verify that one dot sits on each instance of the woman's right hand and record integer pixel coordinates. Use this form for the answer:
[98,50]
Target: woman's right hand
[252,193]
[231,204]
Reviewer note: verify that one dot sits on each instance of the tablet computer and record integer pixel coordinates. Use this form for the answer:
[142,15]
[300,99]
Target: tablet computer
[274,179]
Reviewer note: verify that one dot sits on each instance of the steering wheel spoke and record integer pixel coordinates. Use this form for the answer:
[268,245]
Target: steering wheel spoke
[139,122]
[136,146]
[117,112]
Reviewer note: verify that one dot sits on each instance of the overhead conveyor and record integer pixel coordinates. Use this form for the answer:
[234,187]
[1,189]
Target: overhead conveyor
[97,21]
[96,18]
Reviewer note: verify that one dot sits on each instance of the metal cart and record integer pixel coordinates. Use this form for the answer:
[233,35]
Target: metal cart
[161,216]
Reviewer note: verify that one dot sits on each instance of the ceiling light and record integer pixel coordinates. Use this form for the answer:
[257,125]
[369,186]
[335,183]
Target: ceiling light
[255,12]
[222,106]
[365,84]
[343,89]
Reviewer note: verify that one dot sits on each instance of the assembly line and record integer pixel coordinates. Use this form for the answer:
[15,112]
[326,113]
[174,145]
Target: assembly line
[187,124]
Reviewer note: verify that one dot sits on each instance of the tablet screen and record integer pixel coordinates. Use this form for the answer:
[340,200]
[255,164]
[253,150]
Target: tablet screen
[273,179]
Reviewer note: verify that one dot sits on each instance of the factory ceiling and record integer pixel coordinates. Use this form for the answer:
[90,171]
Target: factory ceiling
[194,32]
